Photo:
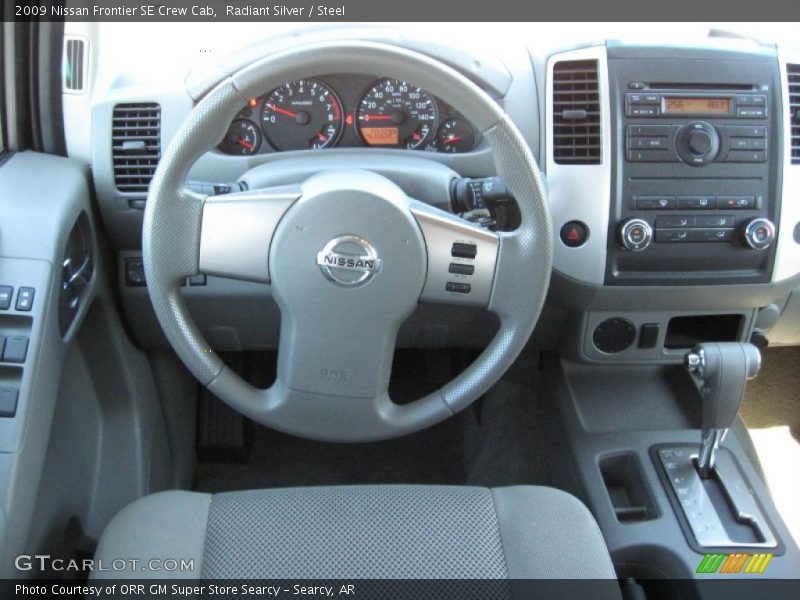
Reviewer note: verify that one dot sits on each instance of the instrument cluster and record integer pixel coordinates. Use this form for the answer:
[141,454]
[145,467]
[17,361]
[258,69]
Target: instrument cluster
[348,111]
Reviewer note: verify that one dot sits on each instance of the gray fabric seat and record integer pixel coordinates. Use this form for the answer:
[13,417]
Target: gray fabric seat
[352,532]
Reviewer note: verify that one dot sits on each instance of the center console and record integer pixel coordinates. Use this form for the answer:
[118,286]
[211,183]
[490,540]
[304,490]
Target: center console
[695,184]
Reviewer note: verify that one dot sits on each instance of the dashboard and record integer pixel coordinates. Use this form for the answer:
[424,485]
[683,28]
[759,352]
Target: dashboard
[348,111]
[672,174]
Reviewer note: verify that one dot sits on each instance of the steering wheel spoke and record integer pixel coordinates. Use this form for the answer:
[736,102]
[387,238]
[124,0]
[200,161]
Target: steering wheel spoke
[462,258]
[237,231]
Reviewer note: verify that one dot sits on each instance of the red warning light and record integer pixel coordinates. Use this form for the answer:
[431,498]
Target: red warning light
[253,102]
[349,119]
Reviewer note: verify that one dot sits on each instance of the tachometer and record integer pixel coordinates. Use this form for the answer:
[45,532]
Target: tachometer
[301,115]
[396,114]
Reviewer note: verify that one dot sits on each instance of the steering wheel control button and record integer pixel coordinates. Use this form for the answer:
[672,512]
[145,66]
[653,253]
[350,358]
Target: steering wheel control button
[460,250]
[697,202]
[25,299]
[16,349]
[614,335]
[349,261]
[6,291]
[8,402]
[458,288]
[758,234]
[461,269]
[655,202]
[574,234]
[636,234]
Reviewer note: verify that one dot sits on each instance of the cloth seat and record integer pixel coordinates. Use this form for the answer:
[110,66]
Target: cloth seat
[361,532]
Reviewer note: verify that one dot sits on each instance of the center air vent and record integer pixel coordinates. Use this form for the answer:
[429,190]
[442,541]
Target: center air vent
[576,113]
[793,72]
[136,145]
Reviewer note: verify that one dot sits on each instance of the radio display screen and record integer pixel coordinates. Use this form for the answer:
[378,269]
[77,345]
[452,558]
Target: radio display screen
[696,105]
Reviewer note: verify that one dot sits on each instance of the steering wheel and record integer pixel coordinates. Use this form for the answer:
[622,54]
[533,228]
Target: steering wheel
[348,255]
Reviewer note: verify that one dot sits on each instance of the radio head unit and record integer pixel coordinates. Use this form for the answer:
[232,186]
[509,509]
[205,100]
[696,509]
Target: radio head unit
[694,179]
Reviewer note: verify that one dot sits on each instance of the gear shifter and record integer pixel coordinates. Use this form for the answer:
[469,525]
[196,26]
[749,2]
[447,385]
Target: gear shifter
[721,371]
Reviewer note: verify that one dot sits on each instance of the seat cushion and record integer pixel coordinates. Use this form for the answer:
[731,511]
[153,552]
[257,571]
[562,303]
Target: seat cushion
[355,532]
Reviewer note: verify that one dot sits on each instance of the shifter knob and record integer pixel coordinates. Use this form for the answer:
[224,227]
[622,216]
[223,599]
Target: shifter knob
[722,370]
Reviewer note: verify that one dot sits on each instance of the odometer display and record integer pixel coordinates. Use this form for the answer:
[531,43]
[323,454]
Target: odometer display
[396,114]
[301,115]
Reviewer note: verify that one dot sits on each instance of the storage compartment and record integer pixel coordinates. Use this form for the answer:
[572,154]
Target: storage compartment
[686,332]
[626,487]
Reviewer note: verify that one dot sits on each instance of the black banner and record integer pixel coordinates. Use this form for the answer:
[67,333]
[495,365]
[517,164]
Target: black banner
[405,10]
[433,589]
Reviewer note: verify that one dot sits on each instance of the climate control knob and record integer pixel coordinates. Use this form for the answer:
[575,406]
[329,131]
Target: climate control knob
[697,143]
[758,234]
[636,234]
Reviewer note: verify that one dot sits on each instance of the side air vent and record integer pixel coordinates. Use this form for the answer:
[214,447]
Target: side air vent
[576,113]
[136,145]
[75,65]
[793,72]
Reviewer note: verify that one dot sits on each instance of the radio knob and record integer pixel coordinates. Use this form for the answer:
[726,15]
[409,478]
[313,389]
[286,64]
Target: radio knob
[758,234]
[697,143]
[636,234]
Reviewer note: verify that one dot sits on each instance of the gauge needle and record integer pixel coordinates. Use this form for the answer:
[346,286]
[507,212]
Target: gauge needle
[377,117]
[322,137]
[246,144]
[283,111]
[453,139]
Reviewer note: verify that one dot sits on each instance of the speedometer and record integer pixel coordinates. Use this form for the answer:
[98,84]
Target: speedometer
[302,115]
[396,114]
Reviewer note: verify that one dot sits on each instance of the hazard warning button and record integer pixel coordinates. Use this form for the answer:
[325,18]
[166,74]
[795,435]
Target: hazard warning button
[574,234]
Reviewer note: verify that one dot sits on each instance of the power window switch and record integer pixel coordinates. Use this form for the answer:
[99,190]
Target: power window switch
[461,250]
[8,402]
[25,298]
[16,349]
[6,291]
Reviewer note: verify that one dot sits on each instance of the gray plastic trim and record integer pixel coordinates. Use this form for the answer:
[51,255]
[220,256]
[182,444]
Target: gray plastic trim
[480,64]
[237,230]
[441,230]
[581,192]
[787,253]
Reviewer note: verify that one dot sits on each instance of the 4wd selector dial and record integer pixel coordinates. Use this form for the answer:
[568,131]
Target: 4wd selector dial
[697,143]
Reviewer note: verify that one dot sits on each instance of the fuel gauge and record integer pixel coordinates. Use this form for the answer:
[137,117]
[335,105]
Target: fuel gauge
[243,138]
[455,135]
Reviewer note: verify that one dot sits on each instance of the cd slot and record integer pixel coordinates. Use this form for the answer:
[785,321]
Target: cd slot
[733,87]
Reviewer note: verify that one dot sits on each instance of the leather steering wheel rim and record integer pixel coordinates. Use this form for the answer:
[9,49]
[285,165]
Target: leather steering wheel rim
[174,225]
